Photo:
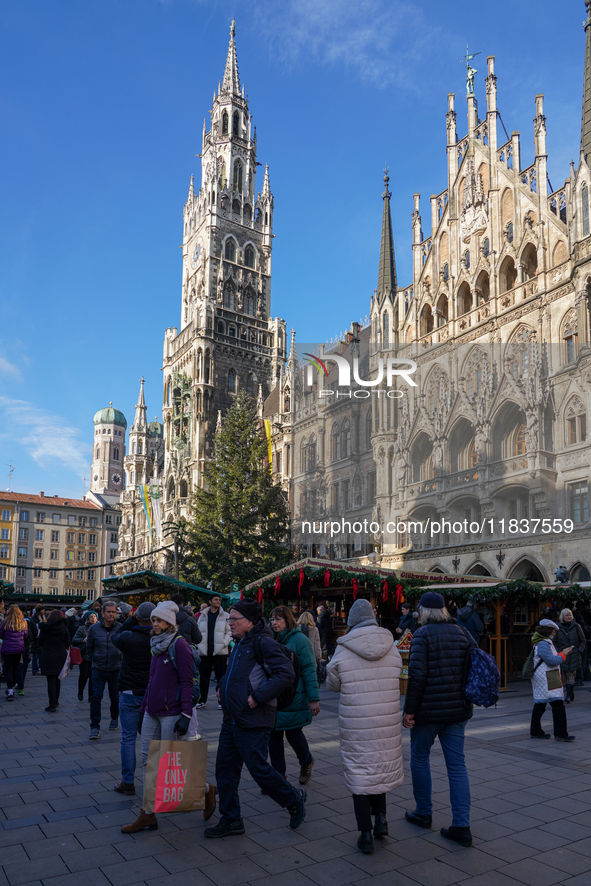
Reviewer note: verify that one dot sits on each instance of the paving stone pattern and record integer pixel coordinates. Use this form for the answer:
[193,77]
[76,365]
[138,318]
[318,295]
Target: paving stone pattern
[60,819]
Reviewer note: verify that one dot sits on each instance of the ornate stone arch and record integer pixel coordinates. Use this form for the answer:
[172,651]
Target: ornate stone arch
[436,389]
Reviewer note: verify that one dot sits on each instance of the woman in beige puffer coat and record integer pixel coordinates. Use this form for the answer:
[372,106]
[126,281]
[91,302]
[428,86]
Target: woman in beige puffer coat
[366,668]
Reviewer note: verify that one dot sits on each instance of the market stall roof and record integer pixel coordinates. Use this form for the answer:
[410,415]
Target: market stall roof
[57,600]
[138,582]
[356,570]
[6,587]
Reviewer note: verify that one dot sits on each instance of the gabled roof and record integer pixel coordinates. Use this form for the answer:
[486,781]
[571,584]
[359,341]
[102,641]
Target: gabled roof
[47,500]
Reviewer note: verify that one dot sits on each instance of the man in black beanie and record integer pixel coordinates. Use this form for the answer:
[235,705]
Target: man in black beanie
[257,673]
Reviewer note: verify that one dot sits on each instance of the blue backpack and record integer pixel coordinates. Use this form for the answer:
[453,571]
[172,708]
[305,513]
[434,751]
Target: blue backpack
[196,659]
[482,679]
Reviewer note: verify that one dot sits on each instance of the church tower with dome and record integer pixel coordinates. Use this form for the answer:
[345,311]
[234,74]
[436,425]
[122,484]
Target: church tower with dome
[108,451]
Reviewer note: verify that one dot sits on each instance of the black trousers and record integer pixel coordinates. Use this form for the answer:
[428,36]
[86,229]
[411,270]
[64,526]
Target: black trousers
[558,717]
[297,740]
[365,806]
[11,663]
[84,677]
[217,663]
[54,684]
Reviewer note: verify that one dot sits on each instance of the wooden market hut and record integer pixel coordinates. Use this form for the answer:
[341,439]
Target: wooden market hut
[137,587]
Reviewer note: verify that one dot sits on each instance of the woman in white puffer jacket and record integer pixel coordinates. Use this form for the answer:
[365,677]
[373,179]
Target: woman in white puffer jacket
[546,661]
[365,669]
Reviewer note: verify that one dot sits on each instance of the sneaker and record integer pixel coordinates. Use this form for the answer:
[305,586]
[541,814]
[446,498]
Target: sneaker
[543,735]
[114,724]
[123,788]
[51,709]
[306,772]
[297,812]
[226,829]
[219,707]
[462,836]
[423,821]
[365,842]
[94,733]
[195,737]
[10,695]
[21,692]
[564,737]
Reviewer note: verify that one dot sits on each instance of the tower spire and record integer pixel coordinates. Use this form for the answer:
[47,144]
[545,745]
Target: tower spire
[140,423]
[586,116]
[266,185]
[387,269]
[231,81]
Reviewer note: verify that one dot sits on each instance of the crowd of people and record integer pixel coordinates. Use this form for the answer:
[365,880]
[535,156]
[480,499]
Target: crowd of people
[156,663]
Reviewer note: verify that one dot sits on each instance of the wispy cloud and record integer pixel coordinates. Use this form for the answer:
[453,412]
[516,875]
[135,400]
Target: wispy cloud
[382,42]
[9,369]
[47,437]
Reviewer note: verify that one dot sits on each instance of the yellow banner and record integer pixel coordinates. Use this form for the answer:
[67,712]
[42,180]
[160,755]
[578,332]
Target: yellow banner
[267,424]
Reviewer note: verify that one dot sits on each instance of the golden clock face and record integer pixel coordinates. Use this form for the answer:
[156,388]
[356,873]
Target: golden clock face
[116,478]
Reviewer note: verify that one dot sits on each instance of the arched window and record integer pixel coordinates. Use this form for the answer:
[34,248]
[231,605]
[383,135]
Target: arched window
[529,260]
[472,455]
[576,422]
[303,454]
[311,454]
[386,330]
[510,232]
[486,247]
[229,301]
[232,331]
[98,451]
[237,175]
[236,124]
[207,368]
[231,381]
[139,447]
[249,303]
[249,257]
[519,365]
[170,490]
[442,310]
[230,251]
[346,439]
[335,442]
[375,330]
[519,441]
[464,299]
[221,327]
[570,337]
[183,489]
[467,258]
[249,386]
[585,210]
[446,272]
[483,288]
[225,123]
[473,381]
[507,275]
[426,320]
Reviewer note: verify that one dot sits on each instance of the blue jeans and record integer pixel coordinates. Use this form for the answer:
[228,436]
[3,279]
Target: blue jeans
[451,737]
[129,712]
[99,680]
[236,748]
[35,664]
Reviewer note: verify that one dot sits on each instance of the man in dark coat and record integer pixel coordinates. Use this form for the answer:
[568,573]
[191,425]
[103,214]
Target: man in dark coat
[133,641]
[258,671]
[106,661]
[435,706]
[186,622]
[469,619]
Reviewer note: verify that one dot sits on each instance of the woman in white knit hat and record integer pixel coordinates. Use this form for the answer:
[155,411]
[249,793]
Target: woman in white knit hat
[168,701]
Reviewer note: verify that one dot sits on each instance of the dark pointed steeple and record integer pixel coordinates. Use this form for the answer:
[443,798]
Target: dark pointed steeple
[586,117]
[231,81]
[387,270]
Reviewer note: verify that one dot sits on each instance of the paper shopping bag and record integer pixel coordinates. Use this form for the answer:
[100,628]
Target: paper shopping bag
[175,776]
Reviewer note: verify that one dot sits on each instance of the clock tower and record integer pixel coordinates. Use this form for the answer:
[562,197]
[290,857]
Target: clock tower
[227,341]
[108,451]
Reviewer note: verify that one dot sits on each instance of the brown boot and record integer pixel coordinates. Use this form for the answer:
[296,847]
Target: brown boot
[144,820]
[209,807]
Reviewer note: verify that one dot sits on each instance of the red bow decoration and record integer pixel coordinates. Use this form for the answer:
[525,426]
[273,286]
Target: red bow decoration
[355,588]
[301,581]
[241,594]
[399,596]
[277,585]
[384,591]
[326,578]
[259,596]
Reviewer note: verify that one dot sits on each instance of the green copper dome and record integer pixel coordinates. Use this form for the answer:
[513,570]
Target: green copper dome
[110,416]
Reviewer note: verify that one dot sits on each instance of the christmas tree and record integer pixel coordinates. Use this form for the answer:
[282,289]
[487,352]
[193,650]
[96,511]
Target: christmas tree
[239,527]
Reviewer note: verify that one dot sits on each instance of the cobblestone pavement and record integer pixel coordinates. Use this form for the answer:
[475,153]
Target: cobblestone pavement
[60,819]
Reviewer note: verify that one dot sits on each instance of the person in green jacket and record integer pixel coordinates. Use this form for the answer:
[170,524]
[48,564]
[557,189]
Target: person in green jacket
[305,706]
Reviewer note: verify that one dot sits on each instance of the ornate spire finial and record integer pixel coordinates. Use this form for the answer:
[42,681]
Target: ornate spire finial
[386,193]
[231,81]
[586,116]
[387,268]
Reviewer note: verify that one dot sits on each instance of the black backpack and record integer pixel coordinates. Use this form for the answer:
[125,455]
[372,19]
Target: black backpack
[287,696]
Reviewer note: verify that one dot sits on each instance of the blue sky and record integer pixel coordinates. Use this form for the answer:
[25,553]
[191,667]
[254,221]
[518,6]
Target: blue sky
[102,106]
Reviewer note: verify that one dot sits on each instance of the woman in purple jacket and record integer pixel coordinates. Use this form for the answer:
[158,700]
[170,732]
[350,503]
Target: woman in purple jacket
[13,633]
[168,701]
